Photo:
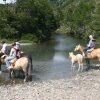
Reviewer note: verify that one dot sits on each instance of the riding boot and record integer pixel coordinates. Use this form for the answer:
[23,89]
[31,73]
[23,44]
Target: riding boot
[85,54]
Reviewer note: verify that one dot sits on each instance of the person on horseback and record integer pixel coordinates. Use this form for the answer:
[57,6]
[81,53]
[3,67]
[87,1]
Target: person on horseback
[90,45]
[13,55]
[4,47]
[17,44]
[17,49]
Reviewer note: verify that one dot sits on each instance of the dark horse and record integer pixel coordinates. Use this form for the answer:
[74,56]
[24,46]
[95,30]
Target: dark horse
[24,64]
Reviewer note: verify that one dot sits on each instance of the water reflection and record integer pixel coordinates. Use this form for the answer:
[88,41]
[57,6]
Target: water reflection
[56,64]
[50,59]
[59,57]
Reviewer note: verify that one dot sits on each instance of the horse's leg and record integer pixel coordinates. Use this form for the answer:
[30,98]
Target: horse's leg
[99,63]
[72,66]
[88,64]
[11,73]
[79,67]
[26,77]
[82,66]
[0,66]
[30,72]
[26,74]
[21,74]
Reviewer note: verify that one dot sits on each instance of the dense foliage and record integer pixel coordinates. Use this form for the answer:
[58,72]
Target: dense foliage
[36,20]
[80,17]
[33,19]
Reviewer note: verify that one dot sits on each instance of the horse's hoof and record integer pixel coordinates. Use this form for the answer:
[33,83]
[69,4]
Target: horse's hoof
[87,69]
[25,80]
[10,77]
[30,78]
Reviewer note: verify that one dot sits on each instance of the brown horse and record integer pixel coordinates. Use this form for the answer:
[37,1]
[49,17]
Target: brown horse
[23,63]
[93,54]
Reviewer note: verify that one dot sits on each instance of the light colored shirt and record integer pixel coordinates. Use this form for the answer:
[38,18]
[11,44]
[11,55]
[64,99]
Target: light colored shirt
[91,43]
[12,53]
[4,48]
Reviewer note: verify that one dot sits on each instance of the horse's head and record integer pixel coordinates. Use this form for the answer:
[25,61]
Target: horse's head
[77,48]
[3,58]
[70,54]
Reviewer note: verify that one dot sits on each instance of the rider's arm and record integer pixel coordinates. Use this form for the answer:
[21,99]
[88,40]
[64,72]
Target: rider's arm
[11,52]
[89,44]
[4,48]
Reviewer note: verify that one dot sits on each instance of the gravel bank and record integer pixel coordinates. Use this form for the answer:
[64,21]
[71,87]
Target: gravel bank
[85,86]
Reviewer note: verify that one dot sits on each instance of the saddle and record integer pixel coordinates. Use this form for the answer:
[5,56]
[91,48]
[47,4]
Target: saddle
[90,50]
[12,62]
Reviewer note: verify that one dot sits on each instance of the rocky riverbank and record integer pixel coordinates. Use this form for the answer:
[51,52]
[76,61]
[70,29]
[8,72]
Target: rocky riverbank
[85,86]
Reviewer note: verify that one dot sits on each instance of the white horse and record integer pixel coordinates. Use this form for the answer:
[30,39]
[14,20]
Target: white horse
[76,59]
[23,63]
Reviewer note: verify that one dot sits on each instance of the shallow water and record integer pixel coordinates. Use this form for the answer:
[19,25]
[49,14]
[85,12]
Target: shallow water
[50,60]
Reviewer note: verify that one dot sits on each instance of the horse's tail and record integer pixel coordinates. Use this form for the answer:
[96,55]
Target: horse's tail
[30,62]
[30,67]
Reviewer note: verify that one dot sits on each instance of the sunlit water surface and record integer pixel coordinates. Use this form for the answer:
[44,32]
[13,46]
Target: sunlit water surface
[50,60]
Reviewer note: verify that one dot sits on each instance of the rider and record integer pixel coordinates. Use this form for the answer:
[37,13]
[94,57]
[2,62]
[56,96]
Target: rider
[17,49]
[90,45]
[13,54]
[17,44]
[4,47]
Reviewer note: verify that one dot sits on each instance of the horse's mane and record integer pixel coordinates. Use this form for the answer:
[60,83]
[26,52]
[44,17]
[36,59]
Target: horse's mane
[1,54]
[81,45]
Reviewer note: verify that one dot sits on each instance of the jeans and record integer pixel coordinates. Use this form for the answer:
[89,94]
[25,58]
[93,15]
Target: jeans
[87,48]
[8,59]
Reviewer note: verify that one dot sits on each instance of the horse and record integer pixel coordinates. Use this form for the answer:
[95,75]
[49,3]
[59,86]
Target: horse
[78,58]
[24,64]
[91,54]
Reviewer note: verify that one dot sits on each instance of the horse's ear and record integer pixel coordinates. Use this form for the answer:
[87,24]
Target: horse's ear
[3,56]
[79,44]
[70,52]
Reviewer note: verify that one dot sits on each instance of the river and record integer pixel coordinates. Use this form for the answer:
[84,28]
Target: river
[50,60]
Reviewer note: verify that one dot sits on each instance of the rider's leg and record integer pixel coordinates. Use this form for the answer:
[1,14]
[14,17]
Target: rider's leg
[85,51]
[7,60]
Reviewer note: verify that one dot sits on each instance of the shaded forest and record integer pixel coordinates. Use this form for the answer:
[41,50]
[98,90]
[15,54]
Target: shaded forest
[37,20]
[79,17]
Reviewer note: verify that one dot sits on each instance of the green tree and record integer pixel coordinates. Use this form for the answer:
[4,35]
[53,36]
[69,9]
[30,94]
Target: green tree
[95,23]
[77,19]
[36,17]
[80,17]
